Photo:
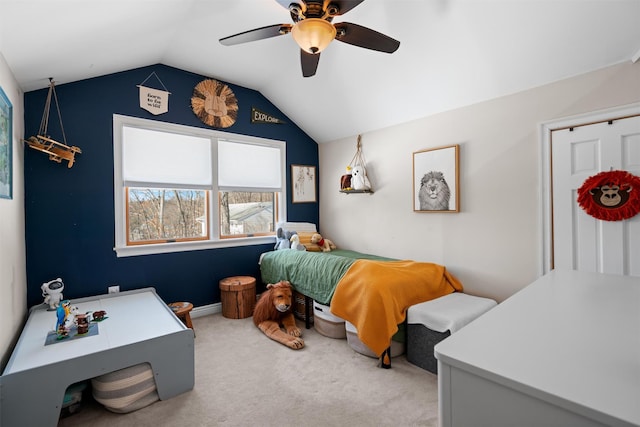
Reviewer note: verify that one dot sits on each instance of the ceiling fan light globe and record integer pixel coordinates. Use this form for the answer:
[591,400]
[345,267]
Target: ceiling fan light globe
[313,35]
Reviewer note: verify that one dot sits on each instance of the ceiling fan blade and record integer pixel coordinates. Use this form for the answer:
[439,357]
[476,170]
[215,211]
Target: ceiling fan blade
[257,34]
[360,36]
[309,62]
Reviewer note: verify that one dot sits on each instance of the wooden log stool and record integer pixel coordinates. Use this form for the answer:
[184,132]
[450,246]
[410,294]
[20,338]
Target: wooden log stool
[238,296]
[183,310]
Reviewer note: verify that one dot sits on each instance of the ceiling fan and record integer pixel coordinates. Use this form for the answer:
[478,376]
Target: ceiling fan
[313,31]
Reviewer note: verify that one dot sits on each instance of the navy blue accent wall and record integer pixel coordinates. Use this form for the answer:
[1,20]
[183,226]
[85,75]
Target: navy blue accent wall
[69,212]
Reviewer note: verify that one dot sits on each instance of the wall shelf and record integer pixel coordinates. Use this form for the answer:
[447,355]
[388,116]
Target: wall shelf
[356,191]
[357,161]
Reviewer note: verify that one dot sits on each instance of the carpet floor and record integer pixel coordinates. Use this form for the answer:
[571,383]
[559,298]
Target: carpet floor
[242,378]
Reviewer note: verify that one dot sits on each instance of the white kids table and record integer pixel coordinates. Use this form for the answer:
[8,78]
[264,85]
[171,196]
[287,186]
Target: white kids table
[139,328]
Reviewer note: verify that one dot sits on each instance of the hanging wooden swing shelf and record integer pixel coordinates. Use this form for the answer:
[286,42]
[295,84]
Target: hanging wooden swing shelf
[346,181]
[57,151]
[356,191]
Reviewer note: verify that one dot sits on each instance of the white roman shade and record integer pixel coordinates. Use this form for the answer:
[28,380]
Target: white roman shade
[164,159]
[247,167]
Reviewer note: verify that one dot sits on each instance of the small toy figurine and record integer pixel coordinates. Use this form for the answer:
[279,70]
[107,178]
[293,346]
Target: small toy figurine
[82,323]
[52,293]
[96,316]
[63,312]
[70,320]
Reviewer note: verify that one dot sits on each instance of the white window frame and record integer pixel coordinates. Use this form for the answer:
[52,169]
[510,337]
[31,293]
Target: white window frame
[121,248]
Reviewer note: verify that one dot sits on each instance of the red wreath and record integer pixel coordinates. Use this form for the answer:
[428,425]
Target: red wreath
[610,196]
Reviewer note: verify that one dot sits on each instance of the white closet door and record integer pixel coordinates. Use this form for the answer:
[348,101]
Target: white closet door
[580,241]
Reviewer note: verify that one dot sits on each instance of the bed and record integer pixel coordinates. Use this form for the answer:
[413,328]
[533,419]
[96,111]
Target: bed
[371,292]
[313,274]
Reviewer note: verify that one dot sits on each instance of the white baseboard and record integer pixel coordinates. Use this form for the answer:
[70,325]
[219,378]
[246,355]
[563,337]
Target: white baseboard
[206,310]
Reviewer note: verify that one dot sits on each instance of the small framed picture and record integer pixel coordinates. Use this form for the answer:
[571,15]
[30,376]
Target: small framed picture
[6,150]
[303,183]
[436,179]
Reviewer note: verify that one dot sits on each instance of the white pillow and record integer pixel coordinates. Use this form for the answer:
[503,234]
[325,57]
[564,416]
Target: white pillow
[300,227]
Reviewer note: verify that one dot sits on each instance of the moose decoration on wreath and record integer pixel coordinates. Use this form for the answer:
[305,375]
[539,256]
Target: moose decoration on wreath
[610,196]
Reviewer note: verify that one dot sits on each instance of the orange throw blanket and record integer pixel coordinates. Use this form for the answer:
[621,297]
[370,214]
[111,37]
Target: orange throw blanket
[375,296]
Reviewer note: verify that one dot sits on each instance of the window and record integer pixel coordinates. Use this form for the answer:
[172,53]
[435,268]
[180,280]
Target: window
[159,215]
[179,188]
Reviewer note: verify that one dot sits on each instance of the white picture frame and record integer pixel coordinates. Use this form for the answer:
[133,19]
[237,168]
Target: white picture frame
[436,179]
[303,184]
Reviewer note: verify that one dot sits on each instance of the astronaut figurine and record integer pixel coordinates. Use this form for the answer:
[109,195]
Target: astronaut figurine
[52,293]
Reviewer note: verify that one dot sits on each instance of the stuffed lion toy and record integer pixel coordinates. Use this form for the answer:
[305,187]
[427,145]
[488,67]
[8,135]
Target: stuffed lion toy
[274,309]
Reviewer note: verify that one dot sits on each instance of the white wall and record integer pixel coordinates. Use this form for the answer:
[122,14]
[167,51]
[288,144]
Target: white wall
[13,281]
[494,244]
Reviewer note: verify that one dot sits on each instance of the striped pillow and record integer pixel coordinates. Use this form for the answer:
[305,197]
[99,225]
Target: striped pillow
[305,240]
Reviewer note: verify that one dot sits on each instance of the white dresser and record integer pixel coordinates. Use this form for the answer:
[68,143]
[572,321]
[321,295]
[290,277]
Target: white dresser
[564,351]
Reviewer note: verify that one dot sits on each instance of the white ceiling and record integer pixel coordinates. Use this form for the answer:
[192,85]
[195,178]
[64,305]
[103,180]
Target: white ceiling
[452,52]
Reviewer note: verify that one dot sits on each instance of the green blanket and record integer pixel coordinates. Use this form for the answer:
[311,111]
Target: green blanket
[314,274]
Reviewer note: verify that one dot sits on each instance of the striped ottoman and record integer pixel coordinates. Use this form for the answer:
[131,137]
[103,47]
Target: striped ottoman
[126,390]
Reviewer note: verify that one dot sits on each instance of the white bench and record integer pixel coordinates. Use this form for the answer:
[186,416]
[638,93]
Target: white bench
[430,322]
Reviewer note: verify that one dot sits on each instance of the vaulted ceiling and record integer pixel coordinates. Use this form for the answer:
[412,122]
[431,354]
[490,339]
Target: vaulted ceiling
[452,52]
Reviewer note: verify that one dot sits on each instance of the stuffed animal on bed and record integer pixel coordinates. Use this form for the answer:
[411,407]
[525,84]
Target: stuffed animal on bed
[283,239]
[274,309]
[295,243]
[325,244]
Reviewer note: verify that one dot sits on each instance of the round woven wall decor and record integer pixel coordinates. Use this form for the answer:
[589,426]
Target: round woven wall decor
[214,103]
[610,196]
